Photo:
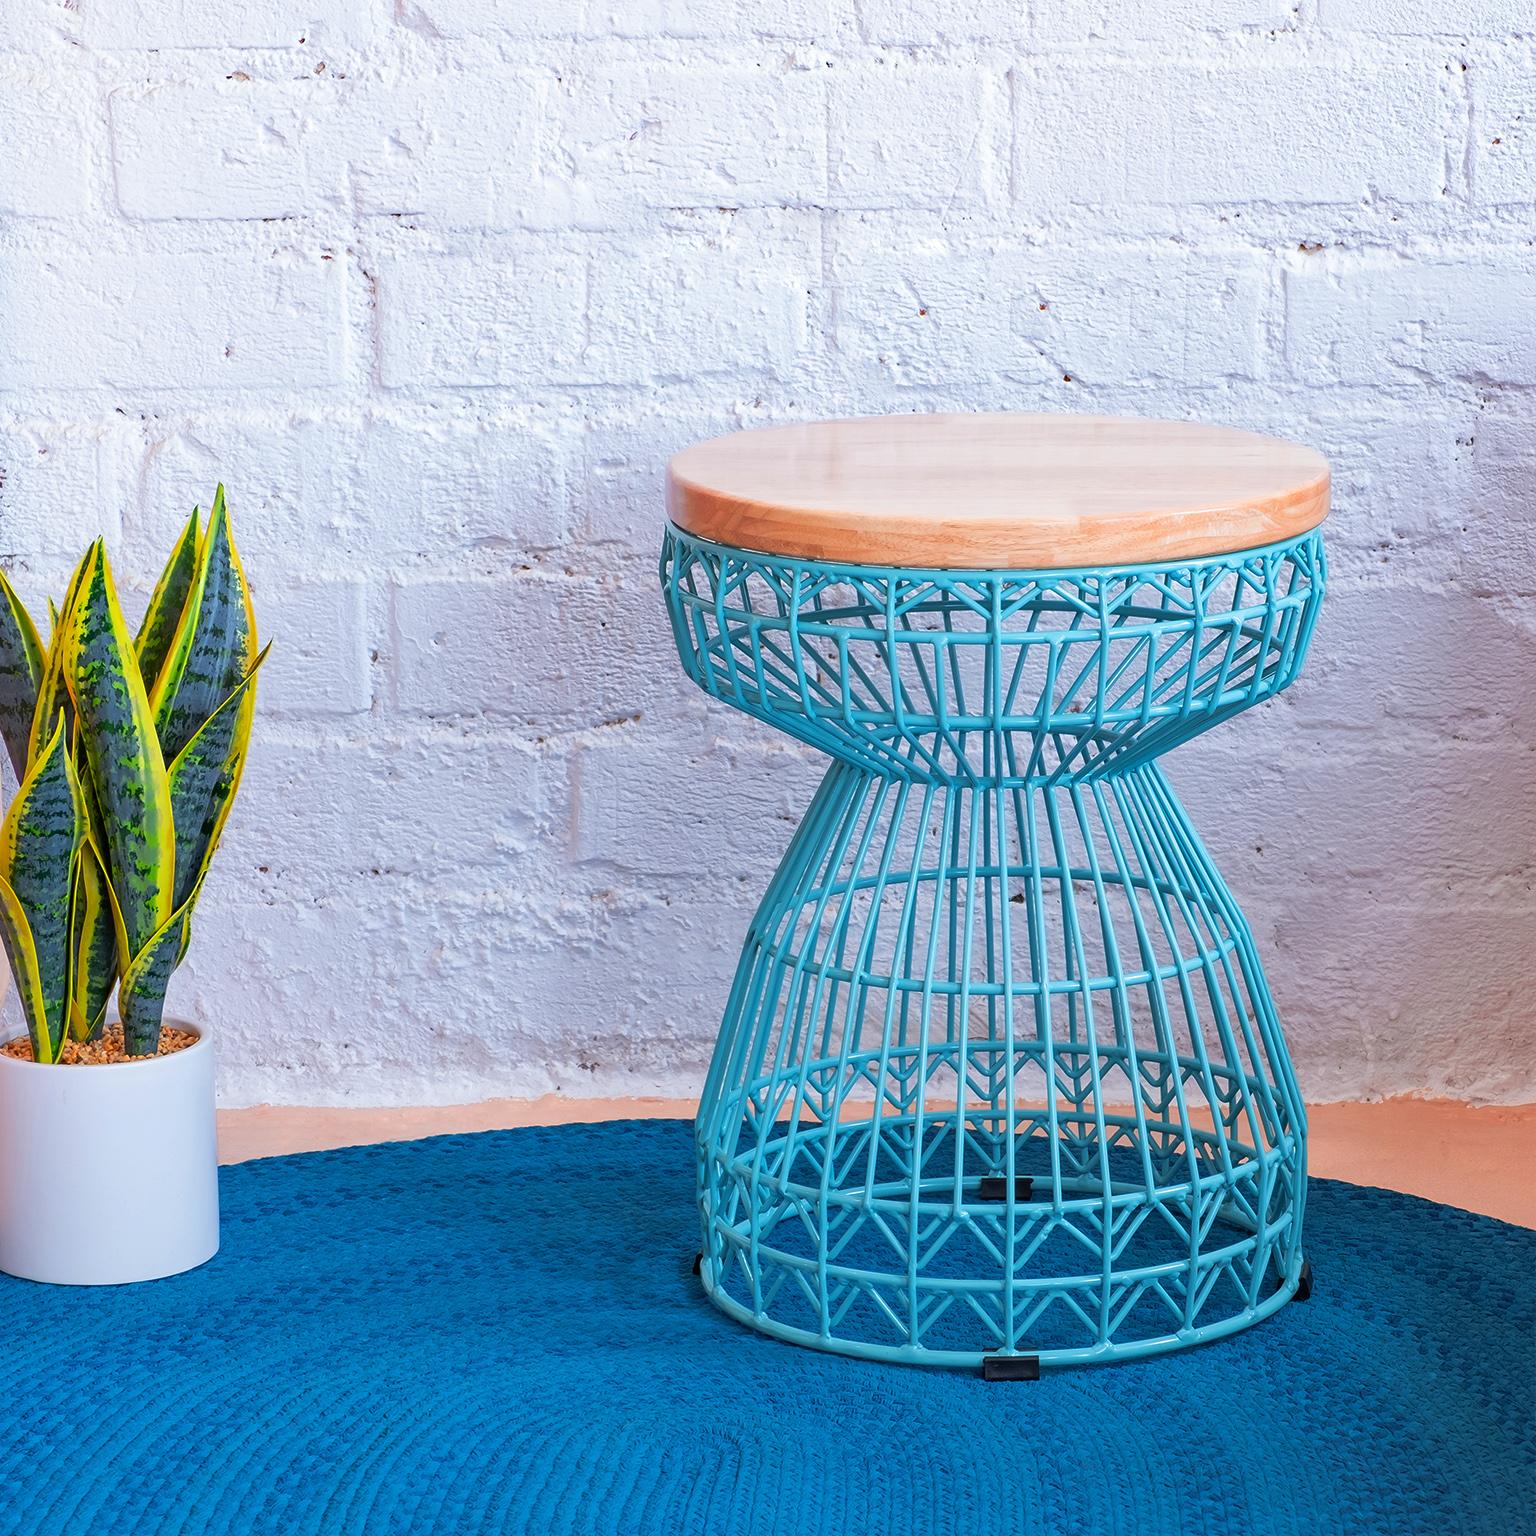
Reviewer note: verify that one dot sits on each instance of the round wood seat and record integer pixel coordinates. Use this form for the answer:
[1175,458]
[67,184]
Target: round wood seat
[1003,491]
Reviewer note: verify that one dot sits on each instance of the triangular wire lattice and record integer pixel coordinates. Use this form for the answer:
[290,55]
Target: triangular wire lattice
[1000,1072]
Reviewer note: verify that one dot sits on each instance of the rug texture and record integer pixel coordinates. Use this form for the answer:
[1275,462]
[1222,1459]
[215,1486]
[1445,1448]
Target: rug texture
[502,1333]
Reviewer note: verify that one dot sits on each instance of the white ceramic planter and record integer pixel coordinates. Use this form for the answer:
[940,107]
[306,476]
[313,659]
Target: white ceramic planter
[109,1174]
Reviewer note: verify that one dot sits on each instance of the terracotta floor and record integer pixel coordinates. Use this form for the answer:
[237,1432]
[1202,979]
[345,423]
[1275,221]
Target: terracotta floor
[1479,1159]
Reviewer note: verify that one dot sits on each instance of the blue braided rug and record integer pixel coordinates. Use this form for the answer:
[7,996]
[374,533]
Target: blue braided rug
[502,1333]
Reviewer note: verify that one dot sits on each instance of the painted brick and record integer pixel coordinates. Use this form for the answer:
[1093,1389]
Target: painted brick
[485,808]
[283,480]
[1453,954]
[1504,141]
[624,988]
[319,666]
[737,20]
[1393,484]
[546,650]
[84,320]
[1492,527]
[1357,957]
[1365,320]
[245,149]
[312,489]
[634,985]
[294,1040]
[135,24]
[651,317]
[510,318]
[45,133]
[37,25]
[1167,135]
[459,19]
[445,151]
[616,487]
[56,494]
[908,136]
[453,485]
[1384,819]
[624,809]
[1433,657]
[1032,315]
[1467,18]
[315,813]
[228,150]
[1084,21]
[929,22]
[637,137]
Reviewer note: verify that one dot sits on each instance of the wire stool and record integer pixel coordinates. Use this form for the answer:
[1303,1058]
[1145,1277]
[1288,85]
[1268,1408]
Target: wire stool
[1000,1081]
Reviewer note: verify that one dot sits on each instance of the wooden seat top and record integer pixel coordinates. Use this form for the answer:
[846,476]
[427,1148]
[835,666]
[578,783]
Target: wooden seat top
[997,491]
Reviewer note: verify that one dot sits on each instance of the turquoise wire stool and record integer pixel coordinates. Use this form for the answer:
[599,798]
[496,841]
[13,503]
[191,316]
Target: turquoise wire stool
[1000,1081]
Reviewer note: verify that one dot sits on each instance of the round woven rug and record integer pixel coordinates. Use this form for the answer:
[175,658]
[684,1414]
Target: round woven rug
[502,1333]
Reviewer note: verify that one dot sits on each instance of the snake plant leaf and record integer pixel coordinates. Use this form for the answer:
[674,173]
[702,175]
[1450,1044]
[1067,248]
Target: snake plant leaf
[94,941]
[22,954]
[141,997]
[53,690]
[215,642]
[169,601]
[95,822]
[52,696]
[39,845]
[119,929]
[76,580]
[127,770]
[204,779]
[21,670]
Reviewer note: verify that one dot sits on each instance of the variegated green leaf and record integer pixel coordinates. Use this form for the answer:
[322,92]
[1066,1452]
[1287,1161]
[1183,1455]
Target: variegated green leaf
[204,779]
[52,696]
[127,770]
[215,642]
[39,841]
[95,945]
[20,951]
[113,905]
[94,821]
[53,691]
[21,670]
[141,997]
[167,604]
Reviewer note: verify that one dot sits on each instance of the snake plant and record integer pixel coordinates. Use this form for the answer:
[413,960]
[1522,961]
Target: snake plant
[128,753]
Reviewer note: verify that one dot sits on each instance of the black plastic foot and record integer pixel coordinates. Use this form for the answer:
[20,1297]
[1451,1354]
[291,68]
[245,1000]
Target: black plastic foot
[1011,1368]
[1304,1281]
[698,1262]
[995,1187]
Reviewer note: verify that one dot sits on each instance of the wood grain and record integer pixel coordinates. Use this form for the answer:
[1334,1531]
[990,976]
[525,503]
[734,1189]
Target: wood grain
[997,491]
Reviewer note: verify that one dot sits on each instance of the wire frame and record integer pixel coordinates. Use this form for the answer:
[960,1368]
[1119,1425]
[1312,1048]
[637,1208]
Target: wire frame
[987,677]
[999,1074]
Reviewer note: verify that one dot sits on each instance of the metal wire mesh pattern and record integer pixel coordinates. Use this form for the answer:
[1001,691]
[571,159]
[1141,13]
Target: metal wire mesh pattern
[999,1074]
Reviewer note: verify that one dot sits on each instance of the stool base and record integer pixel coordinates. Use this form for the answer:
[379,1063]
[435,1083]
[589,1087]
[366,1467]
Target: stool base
[1000,1076]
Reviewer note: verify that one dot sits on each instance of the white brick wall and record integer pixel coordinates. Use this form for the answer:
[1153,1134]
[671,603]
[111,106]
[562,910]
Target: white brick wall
[437,285]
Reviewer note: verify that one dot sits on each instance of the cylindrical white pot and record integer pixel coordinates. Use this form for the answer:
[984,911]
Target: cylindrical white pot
[109,1174]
